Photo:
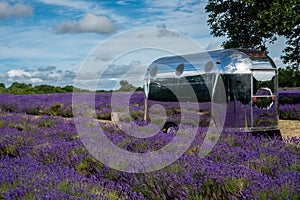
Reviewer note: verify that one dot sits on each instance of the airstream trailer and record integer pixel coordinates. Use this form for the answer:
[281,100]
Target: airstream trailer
[248,78]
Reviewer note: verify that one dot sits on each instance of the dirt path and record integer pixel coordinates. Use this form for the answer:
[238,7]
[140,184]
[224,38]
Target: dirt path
[289,128]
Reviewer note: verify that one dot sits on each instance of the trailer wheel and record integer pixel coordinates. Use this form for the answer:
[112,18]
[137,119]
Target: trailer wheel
[170,128]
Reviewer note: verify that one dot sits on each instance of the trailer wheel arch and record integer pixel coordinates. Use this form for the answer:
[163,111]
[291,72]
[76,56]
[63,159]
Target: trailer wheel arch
[170,127]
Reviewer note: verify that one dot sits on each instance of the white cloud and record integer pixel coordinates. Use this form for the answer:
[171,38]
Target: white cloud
[104,57]
[184,16]
[34,46]
[109,78]
[214,46]
[35,80]
[51,76]
[88,24]
[86,7]
[58,76]
[16,10]
[122,3]
[48,68]
[278,62]
[18,73]
[164,32]
[275,49]
[3,77]
[79,5]
[171,3]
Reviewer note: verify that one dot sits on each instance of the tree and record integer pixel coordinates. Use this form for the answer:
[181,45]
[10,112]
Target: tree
[17,88]
[68,88]
[2,88]
[288,77]
[126,86]
[292,51]
[283,16]
[20,85]
[42,89]
[254,23]
[238,21]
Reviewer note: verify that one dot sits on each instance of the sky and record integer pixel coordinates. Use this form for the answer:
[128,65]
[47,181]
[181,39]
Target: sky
[52,41]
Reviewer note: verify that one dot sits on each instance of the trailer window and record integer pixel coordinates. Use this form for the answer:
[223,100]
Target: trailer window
[264,86]
[262,81]
[258,84]
[238,87]
[179,70]
[153,71]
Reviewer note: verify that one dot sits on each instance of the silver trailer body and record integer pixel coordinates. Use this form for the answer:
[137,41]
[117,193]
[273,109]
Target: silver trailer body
[249,79]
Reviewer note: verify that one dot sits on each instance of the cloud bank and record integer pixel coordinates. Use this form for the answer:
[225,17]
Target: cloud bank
[90,23]
[37,76]
[51,75]
[17,10]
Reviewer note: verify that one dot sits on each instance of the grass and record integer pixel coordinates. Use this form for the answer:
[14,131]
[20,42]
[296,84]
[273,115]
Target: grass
[289,128]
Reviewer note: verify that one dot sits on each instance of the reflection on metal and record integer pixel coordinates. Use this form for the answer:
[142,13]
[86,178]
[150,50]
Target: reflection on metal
[249,77]
[262,75]
[264,92]
[146,87]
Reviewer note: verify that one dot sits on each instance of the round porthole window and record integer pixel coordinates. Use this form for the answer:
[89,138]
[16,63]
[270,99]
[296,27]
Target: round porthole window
[209,66]
[153,71]
[179,69]
[263,98]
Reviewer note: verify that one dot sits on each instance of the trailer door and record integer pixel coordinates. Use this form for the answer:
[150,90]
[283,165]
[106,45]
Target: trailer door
[264,98]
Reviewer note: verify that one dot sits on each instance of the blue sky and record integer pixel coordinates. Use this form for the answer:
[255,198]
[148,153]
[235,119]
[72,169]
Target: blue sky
[47,41]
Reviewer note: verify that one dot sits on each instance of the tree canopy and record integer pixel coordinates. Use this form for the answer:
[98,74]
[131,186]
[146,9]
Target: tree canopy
[126,86]
[254,23]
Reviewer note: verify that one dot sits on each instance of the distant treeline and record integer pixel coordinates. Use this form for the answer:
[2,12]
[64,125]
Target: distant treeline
[23,88]
[288,78]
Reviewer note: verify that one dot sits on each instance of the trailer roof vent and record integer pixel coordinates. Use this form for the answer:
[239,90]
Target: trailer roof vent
[179,69]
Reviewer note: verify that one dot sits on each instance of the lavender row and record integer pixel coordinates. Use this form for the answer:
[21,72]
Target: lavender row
[289,107]
[289,111]
[44,158]
[289,97]
[61,104]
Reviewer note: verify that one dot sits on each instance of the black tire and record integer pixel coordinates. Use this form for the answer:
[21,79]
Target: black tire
[170,128]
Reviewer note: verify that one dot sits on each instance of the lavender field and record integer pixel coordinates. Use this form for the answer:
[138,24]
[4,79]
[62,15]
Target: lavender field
[43,157]
[61,104]
[289,104]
